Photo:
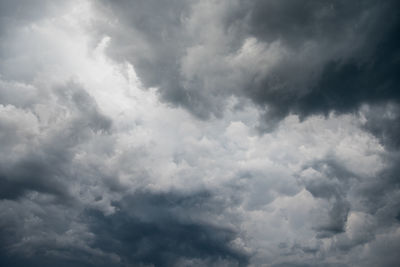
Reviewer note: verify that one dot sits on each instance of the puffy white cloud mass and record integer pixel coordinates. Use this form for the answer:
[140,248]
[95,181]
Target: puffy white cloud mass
[199,133]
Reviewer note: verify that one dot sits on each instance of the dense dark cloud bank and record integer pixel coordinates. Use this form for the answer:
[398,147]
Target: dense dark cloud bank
[199,133]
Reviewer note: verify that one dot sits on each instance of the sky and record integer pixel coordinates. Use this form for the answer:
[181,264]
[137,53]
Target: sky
[199,133]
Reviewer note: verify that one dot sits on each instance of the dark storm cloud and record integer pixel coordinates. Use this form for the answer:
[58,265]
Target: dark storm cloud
[52,191]
[338,54]
[165,229]
[149,229]
[41,128]
[46,167]
[303,58]
[30,175]
[81,188]
[358,43]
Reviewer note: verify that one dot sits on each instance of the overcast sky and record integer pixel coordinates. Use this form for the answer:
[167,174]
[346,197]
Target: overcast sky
[199,133]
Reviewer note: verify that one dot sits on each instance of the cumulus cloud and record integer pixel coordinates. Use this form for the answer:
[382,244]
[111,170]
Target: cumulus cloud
[303,58]
[192,133]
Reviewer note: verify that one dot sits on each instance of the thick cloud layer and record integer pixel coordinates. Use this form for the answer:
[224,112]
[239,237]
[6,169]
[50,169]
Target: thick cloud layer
[304,58]
[199,133]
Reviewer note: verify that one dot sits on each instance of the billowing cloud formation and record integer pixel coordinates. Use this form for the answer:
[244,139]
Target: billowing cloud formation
[303,58]
[193,133]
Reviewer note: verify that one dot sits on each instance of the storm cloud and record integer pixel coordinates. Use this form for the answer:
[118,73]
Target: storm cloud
[305,58]
[199,133]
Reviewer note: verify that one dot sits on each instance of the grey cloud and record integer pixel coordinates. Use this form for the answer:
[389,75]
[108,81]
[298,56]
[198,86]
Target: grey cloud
[16,19]
[380,194]
[56,197]
[153,186]
[329,55]
[355,209]
[45,167]
[149,229]
[336,221]
[355,56]
[77,99]
[331,184]
[156,51]
[383,122]
[385,252]
[16,13]
[163,229]
[293,264]
[34,175]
